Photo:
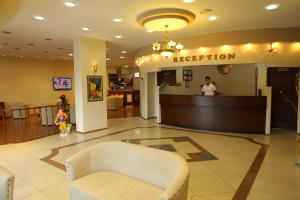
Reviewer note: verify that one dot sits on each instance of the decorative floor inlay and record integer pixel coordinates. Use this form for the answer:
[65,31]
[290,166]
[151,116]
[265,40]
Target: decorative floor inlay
[185,146]
[198,152]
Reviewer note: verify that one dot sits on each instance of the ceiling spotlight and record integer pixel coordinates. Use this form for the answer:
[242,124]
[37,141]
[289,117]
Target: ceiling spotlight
[85,29]
[70,4]
[122,57]
[117,20]
[272,6]
[188,1]
[150,31]
[38,17]
[70,54]
[212,18]
[123,51]
[118,36]
[6,32]
[107,59]
[126,66]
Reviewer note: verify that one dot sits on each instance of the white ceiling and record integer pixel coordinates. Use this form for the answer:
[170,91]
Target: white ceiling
[63,24]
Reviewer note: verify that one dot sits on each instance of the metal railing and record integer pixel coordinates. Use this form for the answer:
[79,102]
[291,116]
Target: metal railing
[26,124]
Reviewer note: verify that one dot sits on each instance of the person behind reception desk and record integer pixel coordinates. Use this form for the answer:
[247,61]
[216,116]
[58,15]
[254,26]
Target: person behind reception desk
[208,89]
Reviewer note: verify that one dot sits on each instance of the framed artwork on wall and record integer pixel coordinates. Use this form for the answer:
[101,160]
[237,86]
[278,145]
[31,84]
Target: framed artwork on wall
[95,88]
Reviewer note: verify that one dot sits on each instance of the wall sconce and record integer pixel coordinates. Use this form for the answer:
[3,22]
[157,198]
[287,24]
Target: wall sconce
[95,68]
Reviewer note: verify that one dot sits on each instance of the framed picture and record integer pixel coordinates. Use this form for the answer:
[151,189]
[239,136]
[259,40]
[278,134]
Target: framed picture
[95,88]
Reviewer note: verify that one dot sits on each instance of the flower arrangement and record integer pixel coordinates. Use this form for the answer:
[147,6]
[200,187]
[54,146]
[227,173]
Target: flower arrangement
[63,100]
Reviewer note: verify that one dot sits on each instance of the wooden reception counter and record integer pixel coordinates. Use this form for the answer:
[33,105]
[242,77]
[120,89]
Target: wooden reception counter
[219,113]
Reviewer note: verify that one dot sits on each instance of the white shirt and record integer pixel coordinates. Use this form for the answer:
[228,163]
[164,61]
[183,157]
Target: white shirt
[209,90]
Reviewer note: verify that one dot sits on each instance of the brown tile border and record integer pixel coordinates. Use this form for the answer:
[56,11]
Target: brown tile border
[241,193]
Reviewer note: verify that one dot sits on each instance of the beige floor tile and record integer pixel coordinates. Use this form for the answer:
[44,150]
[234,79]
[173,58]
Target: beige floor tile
[58,192]
[233,179]
[259,195]
[37,196]
[198,198]
[199,168]
[220,166]
[225,196]
[22,189]
[48,180]
[208,185]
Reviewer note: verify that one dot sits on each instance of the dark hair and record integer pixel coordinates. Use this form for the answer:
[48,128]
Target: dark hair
[207,77]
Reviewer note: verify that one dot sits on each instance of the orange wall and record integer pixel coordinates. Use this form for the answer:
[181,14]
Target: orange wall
[30,81]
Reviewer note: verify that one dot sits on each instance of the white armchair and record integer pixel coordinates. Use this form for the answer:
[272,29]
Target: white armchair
[6,184]
[122,171]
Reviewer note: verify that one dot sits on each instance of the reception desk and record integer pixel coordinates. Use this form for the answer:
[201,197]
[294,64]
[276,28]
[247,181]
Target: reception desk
[216,113]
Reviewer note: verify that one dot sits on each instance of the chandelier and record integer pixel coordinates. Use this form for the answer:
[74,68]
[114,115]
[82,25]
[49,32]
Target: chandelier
[168,47]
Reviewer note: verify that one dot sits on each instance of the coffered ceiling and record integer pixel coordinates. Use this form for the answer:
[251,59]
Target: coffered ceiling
[22,35]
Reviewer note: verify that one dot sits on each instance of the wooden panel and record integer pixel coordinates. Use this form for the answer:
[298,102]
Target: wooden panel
[235,114]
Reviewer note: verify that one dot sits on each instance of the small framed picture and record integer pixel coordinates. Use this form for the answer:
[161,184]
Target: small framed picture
[95,88]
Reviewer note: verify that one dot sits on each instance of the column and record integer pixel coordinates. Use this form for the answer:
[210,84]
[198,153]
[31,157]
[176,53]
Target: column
[90,60]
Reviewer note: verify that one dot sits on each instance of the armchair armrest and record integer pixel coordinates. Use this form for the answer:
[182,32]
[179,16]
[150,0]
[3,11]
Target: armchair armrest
[78,165]
[176,191]
[6,184]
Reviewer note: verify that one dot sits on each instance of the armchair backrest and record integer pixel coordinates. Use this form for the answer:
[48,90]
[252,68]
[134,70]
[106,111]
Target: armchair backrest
[157,167]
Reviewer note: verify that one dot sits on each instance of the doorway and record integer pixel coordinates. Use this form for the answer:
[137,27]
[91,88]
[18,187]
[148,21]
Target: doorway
[284,83]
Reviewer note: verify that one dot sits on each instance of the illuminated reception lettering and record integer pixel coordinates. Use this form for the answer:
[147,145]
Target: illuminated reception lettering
[229,56]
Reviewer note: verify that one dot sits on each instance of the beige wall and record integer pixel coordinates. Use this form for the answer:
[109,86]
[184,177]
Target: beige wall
[30,81]
[239,82]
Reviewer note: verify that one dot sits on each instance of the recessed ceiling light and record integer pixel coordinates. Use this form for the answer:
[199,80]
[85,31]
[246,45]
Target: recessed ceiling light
[70,4]
[38,17]
[48,39]
[30,44]
[107,59]
[118,36]
[70,54]
[126,66]
[117,20]
[60,48]
[205,11]
[122,57]
[272,6]
[6,32]
[85,28]
[150,31]
[123,51]
[188,1]
[212,18]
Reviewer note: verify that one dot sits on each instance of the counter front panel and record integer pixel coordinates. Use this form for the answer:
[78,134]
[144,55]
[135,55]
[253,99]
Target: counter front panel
[220,113]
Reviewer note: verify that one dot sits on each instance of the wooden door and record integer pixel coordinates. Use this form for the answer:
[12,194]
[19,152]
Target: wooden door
[284,97]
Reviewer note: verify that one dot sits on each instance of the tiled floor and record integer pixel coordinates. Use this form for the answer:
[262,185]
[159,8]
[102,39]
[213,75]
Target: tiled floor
[211,179]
